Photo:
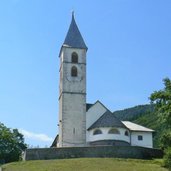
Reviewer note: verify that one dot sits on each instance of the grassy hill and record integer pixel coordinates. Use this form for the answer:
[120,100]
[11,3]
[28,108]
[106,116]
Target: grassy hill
[86,164]
[143,115]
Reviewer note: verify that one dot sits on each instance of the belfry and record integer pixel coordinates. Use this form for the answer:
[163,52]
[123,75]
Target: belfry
[72,89]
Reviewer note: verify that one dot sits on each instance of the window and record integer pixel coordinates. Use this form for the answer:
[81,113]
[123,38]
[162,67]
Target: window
[126,133]
[74,71]
[97,131]
[113,131]
[74,57]
[140,137]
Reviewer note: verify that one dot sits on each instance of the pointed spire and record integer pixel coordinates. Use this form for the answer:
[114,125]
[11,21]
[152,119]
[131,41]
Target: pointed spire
[73,37]
[73,14]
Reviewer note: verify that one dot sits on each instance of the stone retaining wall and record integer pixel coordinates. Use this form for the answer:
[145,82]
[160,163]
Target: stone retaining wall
[98,151]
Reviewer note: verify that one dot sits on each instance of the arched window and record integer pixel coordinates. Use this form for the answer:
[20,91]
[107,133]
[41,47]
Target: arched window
[74,71]
[126,133]
[97,131]
[113,131]
[74,57]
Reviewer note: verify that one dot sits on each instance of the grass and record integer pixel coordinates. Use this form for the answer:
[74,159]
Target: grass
[86,164]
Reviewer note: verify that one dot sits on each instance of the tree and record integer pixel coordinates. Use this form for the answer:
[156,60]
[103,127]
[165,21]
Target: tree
[162,99]
[167,158]
[11,144]
[165,140]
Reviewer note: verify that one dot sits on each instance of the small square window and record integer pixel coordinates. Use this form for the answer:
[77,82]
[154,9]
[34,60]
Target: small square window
[140,137]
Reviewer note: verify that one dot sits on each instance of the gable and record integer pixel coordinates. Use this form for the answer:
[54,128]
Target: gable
[108,119]
[94,113]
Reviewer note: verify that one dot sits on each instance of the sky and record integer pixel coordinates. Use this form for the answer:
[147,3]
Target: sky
[129,54]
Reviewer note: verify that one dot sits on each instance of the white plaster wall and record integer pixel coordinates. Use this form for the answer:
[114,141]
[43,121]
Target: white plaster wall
[146,142]
[106,136]
[94,113]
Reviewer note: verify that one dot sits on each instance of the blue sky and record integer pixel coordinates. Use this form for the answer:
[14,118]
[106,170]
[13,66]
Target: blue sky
[129,54]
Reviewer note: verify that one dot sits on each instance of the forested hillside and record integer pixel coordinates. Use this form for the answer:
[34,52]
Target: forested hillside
[145,116]
[134,112]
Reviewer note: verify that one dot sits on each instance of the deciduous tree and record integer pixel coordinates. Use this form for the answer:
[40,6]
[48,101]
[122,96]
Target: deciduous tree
[11,144]
[162,99]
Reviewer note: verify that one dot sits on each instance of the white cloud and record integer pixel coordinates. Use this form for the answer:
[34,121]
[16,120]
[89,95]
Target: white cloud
[35,136]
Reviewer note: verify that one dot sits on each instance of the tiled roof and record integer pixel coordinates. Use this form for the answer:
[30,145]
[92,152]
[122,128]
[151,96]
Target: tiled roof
[108,119]
[135,127]
[74,38]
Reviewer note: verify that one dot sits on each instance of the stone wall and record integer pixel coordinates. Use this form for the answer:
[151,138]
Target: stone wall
[98,151]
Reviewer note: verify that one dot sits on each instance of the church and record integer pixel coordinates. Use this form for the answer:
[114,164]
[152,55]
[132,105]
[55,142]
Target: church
[82,124]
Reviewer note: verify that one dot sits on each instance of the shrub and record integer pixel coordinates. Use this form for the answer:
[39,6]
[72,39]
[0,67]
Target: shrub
[167,158]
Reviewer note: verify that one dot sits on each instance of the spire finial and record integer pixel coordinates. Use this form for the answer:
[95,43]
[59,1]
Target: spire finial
[73,37]
[72,13]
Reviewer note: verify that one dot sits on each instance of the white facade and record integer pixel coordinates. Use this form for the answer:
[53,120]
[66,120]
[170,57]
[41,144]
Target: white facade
[146,141]
[140,135]
[134,138]
[137,135]
[106,136]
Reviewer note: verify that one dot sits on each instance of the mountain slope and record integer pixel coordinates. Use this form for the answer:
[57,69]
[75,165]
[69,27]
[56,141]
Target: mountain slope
[134,112]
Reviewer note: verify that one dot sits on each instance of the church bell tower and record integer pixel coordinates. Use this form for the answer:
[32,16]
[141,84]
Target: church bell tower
[72,89]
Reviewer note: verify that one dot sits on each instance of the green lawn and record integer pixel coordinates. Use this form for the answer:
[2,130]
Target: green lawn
[86,164]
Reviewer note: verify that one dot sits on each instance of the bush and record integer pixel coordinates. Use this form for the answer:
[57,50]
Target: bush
[167,158]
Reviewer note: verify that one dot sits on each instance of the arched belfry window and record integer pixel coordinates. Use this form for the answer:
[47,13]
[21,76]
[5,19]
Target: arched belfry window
[74,71]
[113,131]
[74,57]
